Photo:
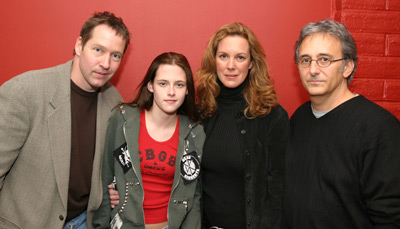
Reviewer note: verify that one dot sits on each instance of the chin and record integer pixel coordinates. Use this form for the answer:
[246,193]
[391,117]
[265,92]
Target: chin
[230,84]
[316,93]
[171,112]
[98,85]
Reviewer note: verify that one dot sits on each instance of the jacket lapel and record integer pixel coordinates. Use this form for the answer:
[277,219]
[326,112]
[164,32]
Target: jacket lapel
[132,139]
[59,124]
[103,114]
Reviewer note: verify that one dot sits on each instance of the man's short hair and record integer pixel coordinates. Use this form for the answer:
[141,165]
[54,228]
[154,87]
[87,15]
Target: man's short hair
[104,18]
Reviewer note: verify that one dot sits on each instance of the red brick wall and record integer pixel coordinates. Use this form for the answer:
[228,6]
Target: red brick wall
[375,25]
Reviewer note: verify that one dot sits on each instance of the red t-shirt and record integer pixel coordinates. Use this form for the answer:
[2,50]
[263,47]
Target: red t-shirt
[157,166]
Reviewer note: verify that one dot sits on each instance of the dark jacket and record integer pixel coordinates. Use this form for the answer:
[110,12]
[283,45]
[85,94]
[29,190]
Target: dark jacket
[263,140]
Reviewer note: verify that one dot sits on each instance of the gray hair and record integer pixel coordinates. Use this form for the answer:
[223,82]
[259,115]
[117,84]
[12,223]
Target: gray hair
[336,29]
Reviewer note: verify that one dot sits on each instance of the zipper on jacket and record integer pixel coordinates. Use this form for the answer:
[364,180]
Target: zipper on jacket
[185,151]
[130,183]
[126,195]
[172,191]
[123,129]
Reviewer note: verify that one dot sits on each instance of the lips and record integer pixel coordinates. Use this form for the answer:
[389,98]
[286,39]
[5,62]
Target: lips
[315,81]
[230,76]
[103,74]
[170,100]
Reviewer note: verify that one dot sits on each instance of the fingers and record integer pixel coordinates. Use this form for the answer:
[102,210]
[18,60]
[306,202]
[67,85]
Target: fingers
[114,197]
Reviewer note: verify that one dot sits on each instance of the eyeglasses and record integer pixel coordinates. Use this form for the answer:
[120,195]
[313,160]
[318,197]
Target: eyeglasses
[323,62]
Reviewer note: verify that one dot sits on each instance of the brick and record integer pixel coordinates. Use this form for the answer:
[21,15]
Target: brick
[392,67]
[337,15]
[392,90]
[363,4]
[371,21]
[378,67]
[337,5]
[370,88]
[392,107]
[370,67]
[370,43]
[393,4]
[393,45]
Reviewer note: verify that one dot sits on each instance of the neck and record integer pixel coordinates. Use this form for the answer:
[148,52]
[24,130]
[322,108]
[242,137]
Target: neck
[160,119]
[75,70]
[330,101]
[231,95]
[160,125]
[76,76]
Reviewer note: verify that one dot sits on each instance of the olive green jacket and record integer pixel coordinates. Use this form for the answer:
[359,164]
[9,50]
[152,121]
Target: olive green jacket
[184,203]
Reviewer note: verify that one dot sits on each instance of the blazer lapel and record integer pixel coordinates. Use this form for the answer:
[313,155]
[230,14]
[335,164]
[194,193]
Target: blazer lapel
[103,114]
[59,124]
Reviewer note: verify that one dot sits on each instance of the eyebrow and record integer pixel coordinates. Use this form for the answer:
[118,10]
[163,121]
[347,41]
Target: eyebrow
[237,52]
[178,81]
[319,54]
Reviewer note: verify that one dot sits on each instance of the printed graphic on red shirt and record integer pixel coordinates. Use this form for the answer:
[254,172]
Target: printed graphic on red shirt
[157,163]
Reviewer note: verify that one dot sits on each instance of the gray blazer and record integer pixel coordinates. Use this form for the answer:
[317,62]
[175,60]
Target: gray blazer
[35,147]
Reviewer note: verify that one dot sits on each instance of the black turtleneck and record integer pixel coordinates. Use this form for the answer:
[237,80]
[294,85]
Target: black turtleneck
[222,164]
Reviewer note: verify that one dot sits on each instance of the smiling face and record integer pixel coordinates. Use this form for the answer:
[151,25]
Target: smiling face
[97,62]
[169,89]
[233,60]
[327,82]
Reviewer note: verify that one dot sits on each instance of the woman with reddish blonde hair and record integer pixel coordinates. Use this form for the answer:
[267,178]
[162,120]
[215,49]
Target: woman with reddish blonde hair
[259,93]
[246,133]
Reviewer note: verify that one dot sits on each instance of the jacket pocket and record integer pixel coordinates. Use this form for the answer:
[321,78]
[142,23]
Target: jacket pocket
[184,204]
[130,207]
[177,212]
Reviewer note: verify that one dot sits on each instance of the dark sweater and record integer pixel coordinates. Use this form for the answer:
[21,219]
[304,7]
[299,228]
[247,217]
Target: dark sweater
[222,165]
[83,140]
[343,169]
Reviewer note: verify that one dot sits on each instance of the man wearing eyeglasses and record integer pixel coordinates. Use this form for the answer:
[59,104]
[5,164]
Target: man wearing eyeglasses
[343,157]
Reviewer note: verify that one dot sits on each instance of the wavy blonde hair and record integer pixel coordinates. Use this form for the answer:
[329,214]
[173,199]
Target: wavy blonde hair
[259,92]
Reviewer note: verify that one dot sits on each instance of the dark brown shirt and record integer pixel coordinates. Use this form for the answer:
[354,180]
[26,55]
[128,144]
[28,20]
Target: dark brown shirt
[83,142]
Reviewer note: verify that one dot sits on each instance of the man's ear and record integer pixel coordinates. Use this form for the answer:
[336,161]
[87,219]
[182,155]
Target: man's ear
[348,68]
[150,87]
[78,46]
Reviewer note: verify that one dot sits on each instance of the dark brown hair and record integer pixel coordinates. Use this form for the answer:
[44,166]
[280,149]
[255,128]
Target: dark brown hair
[144,98]
[104,18]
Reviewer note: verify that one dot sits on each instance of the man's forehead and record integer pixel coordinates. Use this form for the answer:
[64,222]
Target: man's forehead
[324,37]
[321,43]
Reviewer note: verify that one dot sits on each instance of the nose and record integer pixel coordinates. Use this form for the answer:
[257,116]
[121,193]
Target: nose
[314,68]
[171,91]
[105,62]
[231,64]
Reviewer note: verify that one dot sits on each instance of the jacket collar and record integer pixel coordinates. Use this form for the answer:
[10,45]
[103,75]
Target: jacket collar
[132,114]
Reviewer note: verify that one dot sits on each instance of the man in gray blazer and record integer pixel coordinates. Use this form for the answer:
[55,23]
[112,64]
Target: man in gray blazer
[52,130]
